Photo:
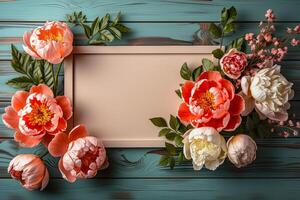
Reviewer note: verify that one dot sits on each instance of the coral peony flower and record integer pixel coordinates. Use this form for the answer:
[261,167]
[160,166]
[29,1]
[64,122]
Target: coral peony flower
[241,150]
[37,115]
[52,42]
[269,92]
[81,155]
[30,170]
[211,101]
[205,146]
[233,63]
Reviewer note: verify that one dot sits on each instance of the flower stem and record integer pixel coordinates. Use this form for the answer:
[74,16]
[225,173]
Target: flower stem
[53,76]
[56,78]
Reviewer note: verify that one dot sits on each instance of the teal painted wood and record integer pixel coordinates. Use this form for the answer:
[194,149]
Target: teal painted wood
[144,189]
[143,34]
[145,10]
[275,173]
[276,158]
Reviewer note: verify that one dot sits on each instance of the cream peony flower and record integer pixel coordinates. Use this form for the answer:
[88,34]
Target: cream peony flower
[205,146]
[241,150]
[268,92]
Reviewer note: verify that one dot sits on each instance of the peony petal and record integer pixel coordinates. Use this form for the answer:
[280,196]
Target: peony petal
[65,104]
[229,88]
[234,122]
[186,90]
[218,124]
[237,105]
[18,100]
[10,118]
[59,144]
[245,84]
[210,75]
[41,89]
[66,174]
[185,114]
[27,141]
[27,47]
[79,131]
[249,104]
[45,180]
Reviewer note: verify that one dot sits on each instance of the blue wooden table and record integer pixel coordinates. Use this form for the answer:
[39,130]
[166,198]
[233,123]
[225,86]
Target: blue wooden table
[274,175]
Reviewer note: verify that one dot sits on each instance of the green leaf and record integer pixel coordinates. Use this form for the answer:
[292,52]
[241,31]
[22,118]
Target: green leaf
[224,16]
[87,30]
[238,43]
[232,14]
[104,22]
[218,53]
[207,64]
[116,32]
[178,92]
[180,158]
[164,132]
[178,140]
[95,26]
[229,28]
[172,162]
[171,136]
[159,122]
[164,160]
[215,30]
[106,35]
[22,82]
[174,123]
[196,73]
[117,19]
[170,148]
[185,72]
[122,28]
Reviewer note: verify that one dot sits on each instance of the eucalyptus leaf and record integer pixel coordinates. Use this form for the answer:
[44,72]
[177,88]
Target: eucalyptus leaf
[164,132]
[196,73]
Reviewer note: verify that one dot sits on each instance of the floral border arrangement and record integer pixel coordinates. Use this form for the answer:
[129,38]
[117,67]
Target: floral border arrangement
[38,114]
[240,94]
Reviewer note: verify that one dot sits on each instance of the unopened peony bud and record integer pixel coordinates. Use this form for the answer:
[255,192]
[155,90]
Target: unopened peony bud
[241,150]
[30,171]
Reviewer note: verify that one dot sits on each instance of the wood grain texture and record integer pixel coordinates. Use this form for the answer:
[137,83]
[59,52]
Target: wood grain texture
[208,189]
[144,10]
[134,174]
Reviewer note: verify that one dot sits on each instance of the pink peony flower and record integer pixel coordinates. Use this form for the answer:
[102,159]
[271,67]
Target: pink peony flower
[211,101]
[233,63]
[37,115]
[30,171]
[52,42]
[81,155]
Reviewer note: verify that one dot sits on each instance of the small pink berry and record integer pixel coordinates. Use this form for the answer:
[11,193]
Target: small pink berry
[295,42]
[285,134]
[289,30]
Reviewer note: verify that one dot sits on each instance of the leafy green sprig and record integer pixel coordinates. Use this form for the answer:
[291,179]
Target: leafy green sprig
[224,28]
[32,71]
[173,132]
[101,31]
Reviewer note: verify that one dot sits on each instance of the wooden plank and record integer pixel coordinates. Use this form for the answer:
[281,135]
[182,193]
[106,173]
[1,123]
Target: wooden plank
[143,34]
[276,158]
[144,10]
[208,189]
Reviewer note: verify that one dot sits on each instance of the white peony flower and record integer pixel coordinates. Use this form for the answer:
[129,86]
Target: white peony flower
[241,150]
[205,146]
[269,92]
